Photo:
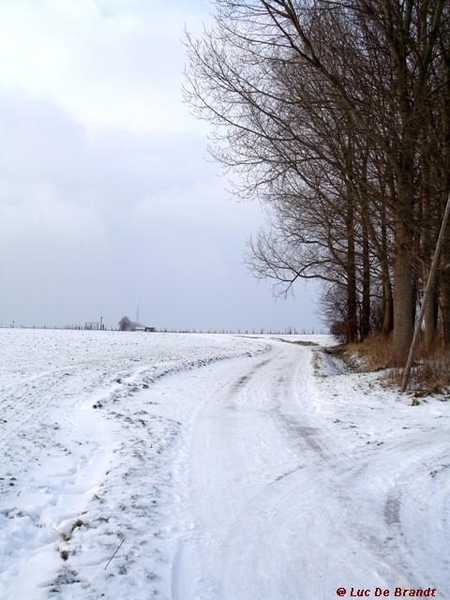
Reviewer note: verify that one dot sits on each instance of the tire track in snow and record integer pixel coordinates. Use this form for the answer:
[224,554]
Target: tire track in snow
[242,455]
[287,502]
[63,430]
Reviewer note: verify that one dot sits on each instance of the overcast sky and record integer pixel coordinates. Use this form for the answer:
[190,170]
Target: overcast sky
[107,199]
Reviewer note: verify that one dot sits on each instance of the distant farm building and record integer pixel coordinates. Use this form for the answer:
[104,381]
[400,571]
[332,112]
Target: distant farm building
[144,328]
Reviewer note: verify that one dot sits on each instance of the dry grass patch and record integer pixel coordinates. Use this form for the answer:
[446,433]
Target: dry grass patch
[430,373]
[373,354]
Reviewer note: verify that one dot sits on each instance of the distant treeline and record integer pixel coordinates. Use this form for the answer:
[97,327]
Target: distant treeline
[336,115]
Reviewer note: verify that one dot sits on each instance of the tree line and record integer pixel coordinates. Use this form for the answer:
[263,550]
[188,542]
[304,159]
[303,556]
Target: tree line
[337,115]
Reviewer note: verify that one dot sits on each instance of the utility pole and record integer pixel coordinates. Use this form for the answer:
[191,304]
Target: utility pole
[426,295]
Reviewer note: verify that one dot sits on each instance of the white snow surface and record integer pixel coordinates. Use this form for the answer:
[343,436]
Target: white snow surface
[200,466]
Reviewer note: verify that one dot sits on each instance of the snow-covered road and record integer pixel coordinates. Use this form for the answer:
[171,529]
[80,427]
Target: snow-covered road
[271,475]
[290,494]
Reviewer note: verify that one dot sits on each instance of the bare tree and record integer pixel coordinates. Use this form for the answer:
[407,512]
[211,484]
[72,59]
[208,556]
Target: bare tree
[125,324]
[323,107]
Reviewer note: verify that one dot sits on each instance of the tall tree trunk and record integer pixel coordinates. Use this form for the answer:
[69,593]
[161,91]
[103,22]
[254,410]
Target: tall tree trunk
[430,320]
[352,312]
[384,258]
[445,308]
[388,307]
[404,286]
[366,305]
[444,289]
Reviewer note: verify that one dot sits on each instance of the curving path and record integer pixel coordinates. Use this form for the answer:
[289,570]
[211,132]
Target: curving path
[292,483]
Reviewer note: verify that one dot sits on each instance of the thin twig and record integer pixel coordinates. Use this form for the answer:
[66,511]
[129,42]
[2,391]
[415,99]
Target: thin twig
[117,550]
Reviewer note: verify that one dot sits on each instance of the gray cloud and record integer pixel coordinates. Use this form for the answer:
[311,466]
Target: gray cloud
[101,213]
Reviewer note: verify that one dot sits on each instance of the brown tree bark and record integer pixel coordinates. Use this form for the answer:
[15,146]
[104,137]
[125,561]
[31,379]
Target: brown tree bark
[445,305]
[365,325]
[403,304]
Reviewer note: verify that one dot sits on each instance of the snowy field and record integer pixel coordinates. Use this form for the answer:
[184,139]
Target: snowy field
[189,466]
